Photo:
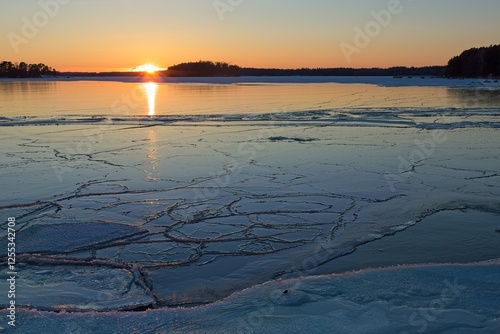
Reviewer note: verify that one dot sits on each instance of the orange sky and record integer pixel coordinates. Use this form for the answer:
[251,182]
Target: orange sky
[95,35]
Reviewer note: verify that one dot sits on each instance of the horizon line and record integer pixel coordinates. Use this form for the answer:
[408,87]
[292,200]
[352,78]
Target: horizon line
[130,70]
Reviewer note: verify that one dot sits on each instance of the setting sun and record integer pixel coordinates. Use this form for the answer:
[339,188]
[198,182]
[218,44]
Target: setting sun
[149,68]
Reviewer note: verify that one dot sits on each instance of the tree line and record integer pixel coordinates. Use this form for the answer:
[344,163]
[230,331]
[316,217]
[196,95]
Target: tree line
[475,63]
[203,69]
[472,63]
[221,69]
[24,70]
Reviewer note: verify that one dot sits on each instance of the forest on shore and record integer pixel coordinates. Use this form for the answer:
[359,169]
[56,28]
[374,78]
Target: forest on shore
[221,69]
[23,70]
[473,63]
[476,63]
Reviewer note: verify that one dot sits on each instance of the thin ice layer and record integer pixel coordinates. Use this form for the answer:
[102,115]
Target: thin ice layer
[229,207]
[71,237]
[78,287]
[432,299]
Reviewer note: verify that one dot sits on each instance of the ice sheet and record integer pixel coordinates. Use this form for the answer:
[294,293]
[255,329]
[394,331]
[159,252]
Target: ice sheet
[79,286]
[210,210]
[424,118]
[180,211]
[72,237]
[431,299]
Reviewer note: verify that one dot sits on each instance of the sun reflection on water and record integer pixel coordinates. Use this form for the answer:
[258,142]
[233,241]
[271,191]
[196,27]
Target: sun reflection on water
[151,89]
[152,169]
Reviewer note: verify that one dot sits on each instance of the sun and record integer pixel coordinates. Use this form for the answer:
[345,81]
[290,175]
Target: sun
[149,68]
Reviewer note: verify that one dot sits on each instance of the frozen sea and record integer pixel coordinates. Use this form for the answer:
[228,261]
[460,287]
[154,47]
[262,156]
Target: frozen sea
[251,205]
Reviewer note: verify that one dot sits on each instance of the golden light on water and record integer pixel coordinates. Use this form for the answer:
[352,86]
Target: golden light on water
[151,89]
[152,169]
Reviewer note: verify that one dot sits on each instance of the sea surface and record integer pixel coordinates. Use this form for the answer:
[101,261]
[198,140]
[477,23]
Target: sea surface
[245,205]
[42,99]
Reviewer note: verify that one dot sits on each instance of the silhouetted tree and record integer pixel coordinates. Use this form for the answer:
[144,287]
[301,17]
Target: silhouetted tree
[475,63]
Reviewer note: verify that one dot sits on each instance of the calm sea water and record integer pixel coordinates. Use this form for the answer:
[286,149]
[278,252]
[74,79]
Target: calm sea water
[93,98]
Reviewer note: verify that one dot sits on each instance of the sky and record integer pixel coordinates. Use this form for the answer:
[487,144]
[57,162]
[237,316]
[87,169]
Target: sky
[102,35]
